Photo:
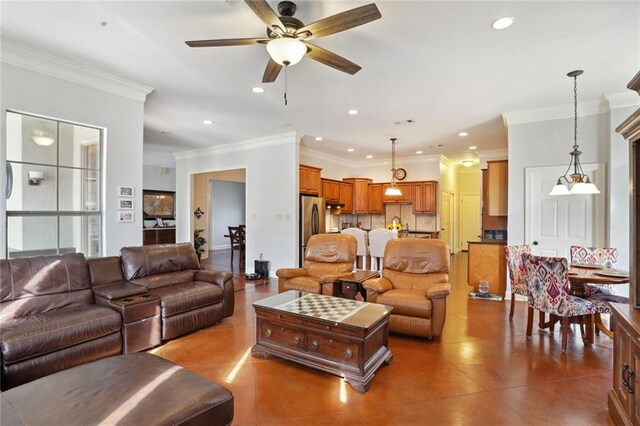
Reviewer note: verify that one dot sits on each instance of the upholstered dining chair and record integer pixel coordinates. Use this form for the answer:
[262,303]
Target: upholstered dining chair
[328,258]
[606,257]
[363,248]
[236,237]
[378,239]
[517,272]
[548,285]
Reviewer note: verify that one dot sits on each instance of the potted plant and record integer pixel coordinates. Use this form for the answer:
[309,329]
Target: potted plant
[198,242]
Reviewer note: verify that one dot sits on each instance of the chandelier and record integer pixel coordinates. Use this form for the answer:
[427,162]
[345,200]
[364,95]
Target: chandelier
[393,190]
[577,182]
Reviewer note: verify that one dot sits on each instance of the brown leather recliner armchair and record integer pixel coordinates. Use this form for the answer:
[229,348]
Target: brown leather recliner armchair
[327,258]
[415,282]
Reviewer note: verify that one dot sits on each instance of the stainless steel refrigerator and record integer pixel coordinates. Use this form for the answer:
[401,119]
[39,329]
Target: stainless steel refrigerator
[312,220]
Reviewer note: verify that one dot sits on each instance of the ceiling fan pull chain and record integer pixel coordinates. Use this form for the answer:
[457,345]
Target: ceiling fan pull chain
[285,86]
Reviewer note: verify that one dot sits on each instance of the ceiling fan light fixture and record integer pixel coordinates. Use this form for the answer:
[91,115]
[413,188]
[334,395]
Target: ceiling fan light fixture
[286,50]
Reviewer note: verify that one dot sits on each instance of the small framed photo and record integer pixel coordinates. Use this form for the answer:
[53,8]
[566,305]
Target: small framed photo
[125,203]
[125,191]
[125,216]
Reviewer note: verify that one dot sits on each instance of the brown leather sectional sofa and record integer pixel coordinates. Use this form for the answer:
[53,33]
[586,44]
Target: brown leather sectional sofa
[57,312]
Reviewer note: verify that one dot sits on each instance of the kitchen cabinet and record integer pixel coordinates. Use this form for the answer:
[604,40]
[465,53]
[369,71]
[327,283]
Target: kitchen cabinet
[346,197]
[331,191]
[498,187]
[360,187]
[424,197]
[405,198]
[623,401]
[375,199]
[487,263]
[490,223]
[310,183]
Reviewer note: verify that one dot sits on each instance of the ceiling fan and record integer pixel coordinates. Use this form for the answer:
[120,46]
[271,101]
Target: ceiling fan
[288,38]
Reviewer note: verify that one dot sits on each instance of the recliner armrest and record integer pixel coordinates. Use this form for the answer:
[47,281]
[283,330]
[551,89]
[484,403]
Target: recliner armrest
[118,290]
[439,290]
[378,285]
[221,279]
[288,273]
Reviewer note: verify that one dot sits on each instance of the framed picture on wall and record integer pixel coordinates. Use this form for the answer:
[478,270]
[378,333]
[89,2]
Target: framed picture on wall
[125,217]
[159,204]
[125,204]
[125,191]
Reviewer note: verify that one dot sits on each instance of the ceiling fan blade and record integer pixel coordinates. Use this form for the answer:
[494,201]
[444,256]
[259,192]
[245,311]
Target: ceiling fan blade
[331,59]
[265,13]
[271,72]
[226,42]
[341,21]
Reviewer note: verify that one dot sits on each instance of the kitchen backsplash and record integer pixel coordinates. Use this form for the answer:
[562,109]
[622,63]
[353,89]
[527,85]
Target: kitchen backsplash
[417,222]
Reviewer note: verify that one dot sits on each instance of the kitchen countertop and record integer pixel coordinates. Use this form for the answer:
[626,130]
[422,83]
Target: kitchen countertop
[159,227]
[489,241]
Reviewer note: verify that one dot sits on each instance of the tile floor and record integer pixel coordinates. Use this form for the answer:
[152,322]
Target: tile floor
[481,371]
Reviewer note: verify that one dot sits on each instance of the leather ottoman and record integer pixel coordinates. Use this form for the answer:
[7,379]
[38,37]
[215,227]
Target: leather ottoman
[134,389]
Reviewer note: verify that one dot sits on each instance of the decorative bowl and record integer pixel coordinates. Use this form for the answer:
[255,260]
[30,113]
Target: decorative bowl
[149,223]
[169,222]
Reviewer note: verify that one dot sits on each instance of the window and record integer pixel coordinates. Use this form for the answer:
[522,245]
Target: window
[53,187]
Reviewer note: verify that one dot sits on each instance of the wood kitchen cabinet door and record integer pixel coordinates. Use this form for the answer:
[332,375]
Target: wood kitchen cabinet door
[498,187]
[331,191]
[309,180]
[375,199]
[346,197]
[360,187]
[405,198]
[424,197]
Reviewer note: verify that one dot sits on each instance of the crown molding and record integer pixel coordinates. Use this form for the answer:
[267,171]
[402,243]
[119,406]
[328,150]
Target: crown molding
[64,69]
[359,164]
[621,100]
[323,156]
[553,113]
[247,145]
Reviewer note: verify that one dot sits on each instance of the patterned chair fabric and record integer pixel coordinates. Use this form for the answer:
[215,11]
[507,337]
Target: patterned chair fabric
[548,284]
[517,270]
[606,257]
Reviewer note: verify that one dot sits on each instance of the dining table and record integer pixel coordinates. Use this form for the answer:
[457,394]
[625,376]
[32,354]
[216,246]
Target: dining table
[581,274]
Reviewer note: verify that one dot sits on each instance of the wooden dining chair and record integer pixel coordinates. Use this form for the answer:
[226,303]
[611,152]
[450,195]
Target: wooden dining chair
[517,273]
[548,286]
[237,239]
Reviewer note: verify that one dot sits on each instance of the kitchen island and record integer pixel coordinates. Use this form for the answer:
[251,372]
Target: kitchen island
[487,262]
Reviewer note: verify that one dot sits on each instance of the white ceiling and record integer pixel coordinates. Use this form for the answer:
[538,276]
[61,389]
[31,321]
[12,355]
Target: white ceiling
[437,63]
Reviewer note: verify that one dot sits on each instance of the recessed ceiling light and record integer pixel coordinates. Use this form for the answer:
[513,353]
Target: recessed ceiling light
[257,90]
[207,122]
[503,23]
[353,112]
[418,152]
[350,150]
[463,134]
[318,138]
[369,156]
[473,147]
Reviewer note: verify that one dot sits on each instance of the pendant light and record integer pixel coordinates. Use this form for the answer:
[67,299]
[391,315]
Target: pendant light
[577,182]
[393,190]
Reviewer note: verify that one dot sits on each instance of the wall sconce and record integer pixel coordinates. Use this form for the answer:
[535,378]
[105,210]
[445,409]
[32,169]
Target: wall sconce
[35,177]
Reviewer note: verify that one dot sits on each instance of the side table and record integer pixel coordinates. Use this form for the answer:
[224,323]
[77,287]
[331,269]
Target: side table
[141,319]
[351,284]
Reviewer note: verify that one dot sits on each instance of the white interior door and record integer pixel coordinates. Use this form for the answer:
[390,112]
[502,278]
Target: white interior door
[446,232]
[553,223]
[469,219]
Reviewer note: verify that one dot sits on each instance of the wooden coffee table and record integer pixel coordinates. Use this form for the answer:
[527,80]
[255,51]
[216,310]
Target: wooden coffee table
[344,337]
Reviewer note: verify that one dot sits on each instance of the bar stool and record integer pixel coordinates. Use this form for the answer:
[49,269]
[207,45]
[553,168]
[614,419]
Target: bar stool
[378,239]
[363,248]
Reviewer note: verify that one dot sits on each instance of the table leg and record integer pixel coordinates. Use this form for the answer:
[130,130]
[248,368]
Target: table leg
[601,327]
